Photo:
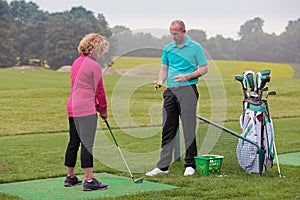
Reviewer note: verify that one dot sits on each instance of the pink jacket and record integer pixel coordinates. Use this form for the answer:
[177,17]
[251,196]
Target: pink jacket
[87,89]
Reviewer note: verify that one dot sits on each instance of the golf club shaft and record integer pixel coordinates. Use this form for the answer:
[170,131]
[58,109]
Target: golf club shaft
[119,149]
[276,157]
[123,158]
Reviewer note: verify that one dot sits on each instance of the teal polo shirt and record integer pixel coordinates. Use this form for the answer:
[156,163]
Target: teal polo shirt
[183,60]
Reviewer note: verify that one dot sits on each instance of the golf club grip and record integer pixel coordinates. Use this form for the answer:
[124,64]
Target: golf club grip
[111,133]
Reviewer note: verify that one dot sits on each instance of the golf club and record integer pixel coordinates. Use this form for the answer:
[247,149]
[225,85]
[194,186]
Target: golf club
[140,180]
[263,80]
[265,89]
[244,85]
[272,92]
[259,75]
[249,77]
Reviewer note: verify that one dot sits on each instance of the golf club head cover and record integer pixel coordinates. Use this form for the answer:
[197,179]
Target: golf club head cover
[264,80]
[265,72]
[241,79]
[249,76]
[258,81]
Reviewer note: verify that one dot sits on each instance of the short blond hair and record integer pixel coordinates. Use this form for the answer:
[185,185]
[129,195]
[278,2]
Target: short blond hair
[93,44]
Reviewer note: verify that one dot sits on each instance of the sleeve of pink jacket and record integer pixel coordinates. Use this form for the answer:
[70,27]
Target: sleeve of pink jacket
[100,100]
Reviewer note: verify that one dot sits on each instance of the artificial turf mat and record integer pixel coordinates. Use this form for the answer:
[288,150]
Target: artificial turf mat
[53,188]
[289,159]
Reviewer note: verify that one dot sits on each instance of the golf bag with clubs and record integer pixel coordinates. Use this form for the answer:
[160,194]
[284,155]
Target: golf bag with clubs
[256,124]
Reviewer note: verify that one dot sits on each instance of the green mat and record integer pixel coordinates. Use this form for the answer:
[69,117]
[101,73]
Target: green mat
[53,188]
[289,159]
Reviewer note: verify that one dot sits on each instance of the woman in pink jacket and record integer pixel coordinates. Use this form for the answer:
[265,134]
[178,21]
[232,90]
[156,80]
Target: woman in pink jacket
[87,96]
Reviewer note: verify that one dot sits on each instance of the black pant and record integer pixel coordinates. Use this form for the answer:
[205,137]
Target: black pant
[82,130]
[179,102]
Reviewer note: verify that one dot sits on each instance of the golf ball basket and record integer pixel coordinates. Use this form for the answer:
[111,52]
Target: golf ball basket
[208,164]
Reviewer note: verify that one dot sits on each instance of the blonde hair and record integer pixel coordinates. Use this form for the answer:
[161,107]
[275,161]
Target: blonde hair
[93,45]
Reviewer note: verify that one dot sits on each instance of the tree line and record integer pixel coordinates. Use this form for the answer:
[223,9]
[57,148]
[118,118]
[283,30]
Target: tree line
[31,36]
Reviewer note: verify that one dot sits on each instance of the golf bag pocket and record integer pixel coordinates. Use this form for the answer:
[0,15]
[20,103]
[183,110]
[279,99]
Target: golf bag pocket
[247,153]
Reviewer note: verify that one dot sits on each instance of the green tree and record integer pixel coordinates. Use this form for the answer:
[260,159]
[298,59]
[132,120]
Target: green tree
[220,48]
[197,35]
[252,26]
[65,31]
[122,38]
[289,43]
[29,35]
[257,47]
[7,30]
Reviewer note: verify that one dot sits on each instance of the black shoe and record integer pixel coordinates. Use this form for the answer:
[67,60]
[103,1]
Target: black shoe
[69,182]
[93,185]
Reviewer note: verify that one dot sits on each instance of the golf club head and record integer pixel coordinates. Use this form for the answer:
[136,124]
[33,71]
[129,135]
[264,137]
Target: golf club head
[263,80]
[265,89]
[140,180]
[258,81]
[265,72]
[260,91]
[272,92]
[239,78]
[249,77]
[242,80]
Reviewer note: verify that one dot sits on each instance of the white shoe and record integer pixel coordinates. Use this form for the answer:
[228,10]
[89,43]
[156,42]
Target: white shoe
[156,171]
[189,171]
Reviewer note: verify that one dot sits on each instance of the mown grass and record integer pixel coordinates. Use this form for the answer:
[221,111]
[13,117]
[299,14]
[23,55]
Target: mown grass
[33,131]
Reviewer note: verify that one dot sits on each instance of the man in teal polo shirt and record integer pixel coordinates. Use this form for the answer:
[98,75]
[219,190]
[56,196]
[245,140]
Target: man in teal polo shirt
[183,62]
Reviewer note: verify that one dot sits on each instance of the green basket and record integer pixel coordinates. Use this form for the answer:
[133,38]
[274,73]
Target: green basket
[208,164]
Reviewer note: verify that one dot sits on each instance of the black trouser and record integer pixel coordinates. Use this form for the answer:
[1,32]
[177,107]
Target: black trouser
[82,130]
[179,101]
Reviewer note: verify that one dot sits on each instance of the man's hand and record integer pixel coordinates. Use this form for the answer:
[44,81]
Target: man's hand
[180,78]
[157,85]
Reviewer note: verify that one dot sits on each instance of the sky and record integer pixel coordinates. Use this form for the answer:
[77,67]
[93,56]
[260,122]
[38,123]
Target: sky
[212,16]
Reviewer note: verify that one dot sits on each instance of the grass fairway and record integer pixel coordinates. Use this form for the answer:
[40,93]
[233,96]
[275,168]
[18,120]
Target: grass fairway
[33,129]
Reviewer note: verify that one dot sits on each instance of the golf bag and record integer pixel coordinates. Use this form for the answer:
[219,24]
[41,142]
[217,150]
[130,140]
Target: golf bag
[256,125]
